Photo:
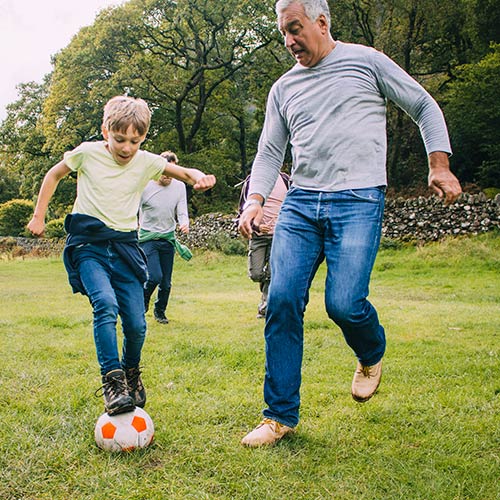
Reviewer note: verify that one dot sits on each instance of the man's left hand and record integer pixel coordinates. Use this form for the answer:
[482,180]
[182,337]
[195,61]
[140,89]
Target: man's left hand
[441,180]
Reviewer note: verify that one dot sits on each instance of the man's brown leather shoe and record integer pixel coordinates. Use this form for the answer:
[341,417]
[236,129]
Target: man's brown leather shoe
[266,433]
[366,381]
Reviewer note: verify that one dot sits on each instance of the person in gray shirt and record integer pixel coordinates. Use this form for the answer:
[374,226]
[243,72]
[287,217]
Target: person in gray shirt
[331,108]
[163,208]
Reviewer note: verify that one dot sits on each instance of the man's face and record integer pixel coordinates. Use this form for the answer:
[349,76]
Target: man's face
[307,41]
[123,145]
[164,180]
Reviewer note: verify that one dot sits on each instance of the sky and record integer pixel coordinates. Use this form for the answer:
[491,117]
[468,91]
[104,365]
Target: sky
[31,31]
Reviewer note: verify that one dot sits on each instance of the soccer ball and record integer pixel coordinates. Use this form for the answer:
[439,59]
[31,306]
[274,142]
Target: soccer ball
[124,432]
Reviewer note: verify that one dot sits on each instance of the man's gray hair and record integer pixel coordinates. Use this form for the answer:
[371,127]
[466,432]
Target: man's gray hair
[312,8]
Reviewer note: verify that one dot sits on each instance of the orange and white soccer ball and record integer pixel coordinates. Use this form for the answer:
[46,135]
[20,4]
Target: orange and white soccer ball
[124,432]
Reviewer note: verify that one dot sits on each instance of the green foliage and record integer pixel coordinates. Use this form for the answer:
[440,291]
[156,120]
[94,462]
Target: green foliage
[55,228]
[9,185]
[224,243]
[14,215]
[206,67]
[390,244]
[491,192]
[474,115]
[24,153]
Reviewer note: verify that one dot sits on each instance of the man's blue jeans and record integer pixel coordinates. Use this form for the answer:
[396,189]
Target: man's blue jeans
[344,228]
[160,254]
[113,289]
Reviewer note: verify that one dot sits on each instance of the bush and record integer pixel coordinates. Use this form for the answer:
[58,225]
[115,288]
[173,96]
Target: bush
[491,192]
[390,244]
[14,215]
[55,228]
[227,245]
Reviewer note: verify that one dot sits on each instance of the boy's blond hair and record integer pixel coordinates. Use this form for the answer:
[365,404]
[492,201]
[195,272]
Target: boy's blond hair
[122,111]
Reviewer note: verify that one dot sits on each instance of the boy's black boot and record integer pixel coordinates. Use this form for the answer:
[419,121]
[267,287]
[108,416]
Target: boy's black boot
[115,391]
[136,388]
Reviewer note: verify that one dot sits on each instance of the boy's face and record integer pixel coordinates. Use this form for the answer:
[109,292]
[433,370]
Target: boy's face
[123,145]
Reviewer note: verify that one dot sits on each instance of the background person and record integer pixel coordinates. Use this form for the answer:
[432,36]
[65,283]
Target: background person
[102,255]
[331,107]
[259,246]
[163,206]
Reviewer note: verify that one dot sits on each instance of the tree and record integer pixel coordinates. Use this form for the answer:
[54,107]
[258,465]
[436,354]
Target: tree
[85,77]
[427,38]
[474,115]
[24,152]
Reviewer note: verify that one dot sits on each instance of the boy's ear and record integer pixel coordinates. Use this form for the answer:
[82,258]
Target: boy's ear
[104,131]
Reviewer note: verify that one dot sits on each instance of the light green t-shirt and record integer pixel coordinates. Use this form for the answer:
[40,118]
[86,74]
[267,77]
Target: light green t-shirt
[107,190]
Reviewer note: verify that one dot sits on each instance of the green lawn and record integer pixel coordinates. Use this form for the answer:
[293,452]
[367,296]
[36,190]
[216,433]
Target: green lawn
[432,432]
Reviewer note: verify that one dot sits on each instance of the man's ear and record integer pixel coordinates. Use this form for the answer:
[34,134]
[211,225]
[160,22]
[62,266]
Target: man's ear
[104,131]
[323,24]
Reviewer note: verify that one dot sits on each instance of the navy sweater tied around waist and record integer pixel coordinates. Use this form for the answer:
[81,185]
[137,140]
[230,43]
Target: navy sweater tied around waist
[83,229]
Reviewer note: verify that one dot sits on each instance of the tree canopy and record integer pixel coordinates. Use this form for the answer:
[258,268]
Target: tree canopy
[205,68]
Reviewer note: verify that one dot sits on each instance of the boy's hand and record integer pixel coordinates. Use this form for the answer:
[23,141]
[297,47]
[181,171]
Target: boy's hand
[36,226]
[205,182]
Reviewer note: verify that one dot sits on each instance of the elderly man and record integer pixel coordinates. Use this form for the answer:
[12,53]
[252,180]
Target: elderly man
[331,107]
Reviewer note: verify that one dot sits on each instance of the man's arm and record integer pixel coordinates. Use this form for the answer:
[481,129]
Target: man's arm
[410,96]
[181,210]
[50,182]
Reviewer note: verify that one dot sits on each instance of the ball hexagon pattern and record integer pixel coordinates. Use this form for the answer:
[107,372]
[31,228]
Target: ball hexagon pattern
[124,432]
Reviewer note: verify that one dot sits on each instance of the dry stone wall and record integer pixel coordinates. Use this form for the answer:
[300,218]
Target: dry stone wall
[418,219]
[428,219]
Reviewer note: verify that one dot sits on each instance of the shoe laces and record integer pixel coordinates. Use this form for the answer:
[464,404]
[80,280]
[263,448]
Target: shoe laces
[275,426]
[113,387]
[134,378]
[367,371]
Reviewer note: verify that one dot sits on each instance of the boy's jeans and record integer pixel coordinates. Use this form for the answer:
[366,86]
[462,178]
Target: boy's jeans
[344,228]
[112,289]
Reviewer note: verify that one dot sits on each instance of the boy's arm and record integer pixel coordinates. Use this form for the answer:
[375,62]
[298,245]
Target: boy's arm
[37,223]
[194,177]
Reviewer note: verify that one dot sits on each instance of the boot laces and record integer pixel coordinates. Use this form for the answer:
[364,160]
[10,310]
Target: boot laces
[134,378]
[112,387]
[366,371]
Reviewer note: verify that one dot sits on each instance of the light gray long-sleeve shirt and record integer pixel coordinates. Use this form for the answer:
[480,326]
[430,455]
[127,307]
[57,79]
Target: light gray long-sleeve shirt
[163,206]
[334,116]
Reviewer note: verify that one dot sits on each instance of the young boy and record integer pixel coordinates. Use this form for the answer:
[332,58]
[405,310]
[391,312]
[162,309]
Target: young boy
[102,255]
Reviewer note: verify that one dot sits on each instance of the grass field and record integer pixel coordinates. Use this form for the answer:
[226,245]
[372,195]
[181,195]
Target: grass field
[432,432]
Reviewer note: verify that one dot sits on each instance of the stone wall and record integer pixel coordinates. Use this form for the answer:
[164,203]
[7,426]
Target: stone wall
[418,219]
[428,219]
